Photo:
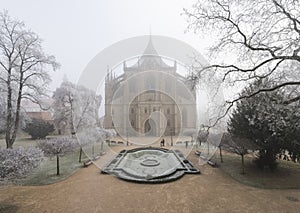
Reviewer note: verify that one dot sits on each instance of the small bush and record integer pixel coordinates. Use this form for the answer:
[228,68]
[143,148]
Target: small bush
[58,147]
[39,129]
[18,162]
[266,159]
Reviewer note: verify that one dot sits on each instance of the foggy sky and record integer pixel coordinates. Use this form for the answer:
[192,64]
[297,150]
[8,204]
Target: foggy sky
[76,30]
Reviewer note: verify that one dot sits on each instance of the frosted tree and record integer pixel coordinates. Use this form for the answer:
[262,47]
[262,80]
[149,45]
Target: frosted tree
[58,147]
[75,106]
[18,162]
[23,66]
[90,137]
[262,38]
[2,108]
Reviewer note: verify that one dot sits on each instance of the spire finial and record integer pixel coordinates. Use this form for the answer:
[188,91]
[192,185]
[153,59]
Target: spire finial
[150,50]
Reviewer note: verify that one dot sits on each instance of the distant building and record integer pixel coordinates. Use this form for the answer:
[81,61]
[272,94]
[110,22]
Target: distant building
[33,110]
[147,97]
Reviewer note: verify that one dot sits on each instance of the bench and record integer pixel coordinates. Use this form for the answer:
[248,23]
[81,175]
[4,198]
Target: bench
[87,163]
[197,152]
[209,162]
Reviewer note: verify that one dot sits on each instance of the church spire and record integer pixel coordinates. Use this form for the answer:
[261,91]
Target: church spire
[149,60]
[150,50]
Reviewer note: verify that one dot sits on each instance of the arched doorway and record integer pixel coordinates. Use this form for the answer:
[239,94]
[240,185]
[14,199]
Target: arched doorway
[150,128]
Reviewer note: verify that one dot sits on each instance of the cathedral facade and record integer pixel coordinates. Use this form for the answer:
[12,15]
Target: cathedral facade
[150,98]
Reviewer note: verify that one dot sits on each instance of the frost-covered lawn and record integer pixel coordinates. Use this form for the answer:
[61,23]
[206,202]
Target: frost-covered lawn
[46,172]
[287,176]
[23,140]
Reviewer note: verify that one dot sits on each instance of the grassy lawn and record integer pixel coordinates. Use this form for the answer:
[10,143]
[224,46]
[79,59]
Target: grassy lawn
[46,172]
[8,208]
[23,140]
[287,175]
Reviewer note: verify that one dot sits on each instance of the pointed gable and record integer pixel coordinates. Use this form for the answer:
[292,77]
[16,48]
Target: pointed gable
[150,60]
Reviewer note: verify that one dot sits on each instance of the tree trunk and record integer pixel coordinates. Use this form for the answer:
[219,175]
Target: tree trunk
[9,113]
[11,136]
[80,154]
[17,119]
[221,156]
[57,165]
[71,111]
[243,165]
[93,150]
[207,147]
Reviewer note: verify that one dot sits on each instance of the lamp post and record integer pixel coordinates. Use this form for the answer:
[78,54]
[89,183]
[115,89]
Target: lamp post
[171,131]
[127,143]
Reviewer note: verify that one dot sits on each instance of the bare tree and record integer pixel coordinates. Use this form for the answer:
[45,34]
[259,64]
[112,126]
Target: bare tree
[202,135]
[23,70]
[76,106]
[237,145]
[263,36]
[2,108]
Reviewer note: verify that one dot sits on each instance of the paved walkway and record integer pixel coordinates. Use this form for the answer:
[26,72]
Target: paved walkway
[89,191]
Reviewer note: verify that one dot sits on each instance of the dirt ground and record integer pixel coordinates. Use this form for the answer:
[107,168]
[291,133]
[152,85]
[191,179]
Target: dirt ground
[89,191]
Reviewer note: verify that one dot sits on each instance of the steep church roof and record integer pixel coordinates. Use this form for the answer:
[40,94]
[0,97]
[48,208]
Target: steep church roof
[150,50]
[150,60]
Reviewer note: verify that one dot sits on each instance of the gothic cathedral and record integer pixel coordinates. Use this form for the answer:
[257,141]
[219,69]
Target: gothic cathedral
[150,98]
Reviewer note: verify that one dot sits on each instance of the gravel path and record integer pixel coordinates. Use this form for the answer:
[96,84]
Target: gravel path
[89,191]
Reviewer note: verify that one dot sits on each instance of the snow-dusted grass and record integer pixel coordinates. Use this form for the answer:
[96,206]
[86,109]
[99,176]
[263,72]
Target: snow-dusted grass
[23,140]
[286,176]
[46,172]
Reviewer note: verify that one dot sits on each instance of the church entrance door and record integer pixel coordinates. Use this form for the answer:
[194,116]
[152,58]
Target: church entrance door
[150,128]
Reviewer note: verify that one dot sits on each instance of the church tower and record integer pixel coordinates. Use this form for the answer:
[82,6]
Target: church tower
[149,94]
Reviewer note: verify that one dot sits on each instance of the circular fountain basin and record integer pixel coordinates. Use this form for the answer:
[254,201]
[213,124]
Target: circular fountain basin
[150,162]
[150,165]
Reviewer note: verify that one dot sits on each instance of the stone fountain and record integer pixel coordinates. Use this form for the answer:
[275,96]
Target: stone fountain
[150,165]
